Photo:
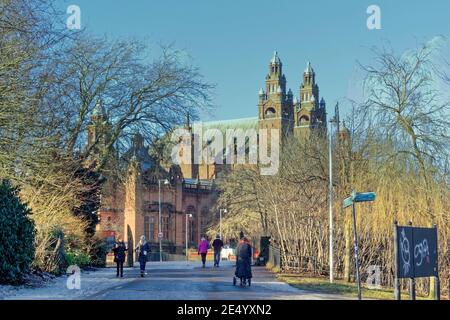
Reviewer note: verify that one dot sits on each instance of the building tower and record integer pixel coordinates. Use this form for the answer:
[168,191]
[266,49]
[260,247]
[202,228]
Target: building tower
[133,217]
[275,104]
[309,113]
[94,128]
[189,168]
[99,132]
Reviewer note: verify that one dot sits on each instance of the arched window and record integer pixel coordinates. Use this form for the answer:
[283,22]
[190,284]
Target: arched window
[304,120]
[270,113]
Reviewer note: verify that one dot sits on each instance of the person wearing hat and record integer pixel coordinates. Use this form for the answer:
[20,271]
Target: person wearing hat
[244,261]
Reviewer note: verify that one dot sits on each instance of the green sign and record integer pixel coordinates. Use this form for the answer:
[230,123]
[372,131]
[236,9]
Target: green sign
[359,197]
[348,202]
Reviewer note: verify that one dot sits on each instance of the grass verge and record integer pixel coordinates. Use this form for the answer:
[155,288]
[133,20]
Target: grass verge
[323,285]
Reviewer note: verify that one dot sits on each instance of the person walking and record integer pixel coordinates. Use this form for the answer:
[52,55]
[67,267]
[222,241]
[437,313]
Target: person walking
[244,261]
[142,249]
[119,256]
[203,250]
[217,245]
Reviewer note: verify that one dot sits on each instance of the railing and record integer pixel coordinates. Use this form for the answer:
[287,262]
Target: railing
[297,263]
[293,263]
[275,258]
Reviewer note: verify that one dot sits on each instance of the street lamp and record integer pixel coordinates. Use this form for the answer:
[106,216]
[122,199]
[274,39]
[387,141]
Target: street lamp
[188,215]
[220,221]
[330,196]
[160,235]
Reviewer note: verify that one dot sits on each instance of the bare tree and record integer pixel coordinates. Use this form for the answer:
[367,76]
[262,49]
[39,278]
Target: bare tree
[138,93]
[410,113]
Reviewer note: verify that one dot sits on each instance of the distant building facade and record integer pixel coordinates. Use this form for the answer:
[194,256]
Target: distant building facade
[130,208]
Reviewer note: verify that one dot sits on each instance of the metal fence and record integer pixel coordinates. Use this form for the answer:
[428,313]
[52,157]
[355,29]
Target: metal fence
[275,257]
[293,263]
[297,263]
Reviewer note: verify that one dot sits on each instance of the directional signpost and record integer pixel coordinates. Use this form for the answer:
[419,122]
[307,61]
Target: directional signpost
[350,201]
[363,196]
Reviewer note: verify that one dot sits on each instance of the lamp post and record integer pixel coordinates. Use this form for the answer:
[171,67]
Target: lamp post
[188,215]
[220,221]
[166,182]
[330,197]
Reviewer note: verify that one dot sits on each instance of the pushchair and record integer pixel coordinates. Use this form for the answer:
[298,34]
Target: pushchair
[243,265]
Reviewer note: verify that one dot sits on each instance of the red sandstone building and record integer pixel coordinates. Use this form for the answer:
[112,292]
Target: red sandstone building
[130,209]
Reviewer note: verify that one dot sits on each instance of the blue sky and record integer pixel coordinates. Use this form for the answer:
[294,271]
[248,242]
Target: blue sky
[232,41]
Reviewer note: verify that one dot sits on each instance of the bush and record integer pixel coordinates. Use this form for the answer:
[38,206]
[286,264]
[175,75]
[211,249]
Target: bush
[78,258]
[98,249]
[50,253]
[17,235]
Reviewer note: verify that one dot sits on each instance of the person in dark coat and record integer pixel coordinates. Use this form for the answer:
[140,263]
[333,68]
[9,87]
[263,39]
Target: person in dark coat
[217,245]
[119,256]
[142,249]
[243,260]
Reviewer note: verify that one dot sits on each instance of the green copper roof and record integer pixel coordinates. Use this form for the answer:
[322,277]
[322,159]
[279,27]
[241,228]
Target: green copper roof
[224,125]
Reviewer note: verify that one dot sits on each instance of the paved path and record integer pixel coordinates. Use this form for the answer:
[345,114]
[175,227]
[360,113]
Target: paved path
[178,281]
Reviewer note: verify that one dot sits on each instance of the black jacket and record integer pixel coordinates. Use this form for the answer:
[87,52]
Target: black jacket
[119,251]
[244,260]
[244,251]
[217,244]
[141,248]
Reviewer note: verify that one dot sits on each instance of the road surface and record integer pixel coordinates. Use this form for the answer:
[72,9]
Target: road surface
[179,281]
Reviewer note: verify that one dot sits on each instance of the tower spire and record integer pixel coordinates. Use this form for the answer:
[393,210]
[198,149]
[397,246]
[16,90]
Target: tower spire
[99,111]
[309,69]
[275,58]
[275,103]
[275,80]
